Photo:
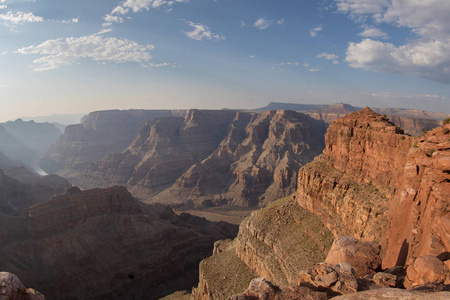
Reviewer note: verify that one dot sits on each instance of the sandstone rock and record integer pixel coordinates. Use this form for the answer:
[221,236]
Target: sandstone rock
[261,289]
[385,279]
[400,199]
[340,278]
[363,257]
[281,240]
[391,293]
[11,288]
[425,270]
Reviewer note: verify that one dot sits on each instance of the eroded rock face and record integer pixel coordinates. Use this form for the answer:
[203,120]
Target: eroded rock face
[213,158]
[20,189]
[281,240]
[103,244]
[376,184]
[99,134]
[11,288]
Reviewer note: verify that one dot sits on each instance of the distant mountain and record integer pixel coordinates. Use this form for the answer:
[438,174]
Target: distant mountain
[26,141]
[292,106]
[413,121]
[64,119]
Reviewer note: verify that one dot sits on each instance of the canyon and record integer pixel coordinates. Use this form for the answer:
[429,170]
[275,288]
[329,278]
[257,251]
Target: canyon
[339,174]
[104,244]
[372,182]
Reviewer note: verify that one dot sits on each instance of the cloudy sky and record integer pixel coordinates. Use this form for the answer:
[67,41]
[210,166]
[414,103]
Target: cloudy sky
[61,56]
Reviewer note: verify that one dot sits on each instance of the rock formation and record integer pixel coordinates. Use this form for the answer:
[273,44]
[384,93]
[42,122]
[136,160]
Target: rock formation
[376,184]
[276,242]
[99,134]
[20,189]
[213,158]
[103,244]
[26,141]
[11,288]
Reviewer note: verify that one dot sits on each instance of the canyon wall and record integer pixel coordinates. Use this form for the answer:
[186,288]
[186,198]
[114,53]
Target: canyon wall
[220,157]
[99,134]
[103,244]
[377,184]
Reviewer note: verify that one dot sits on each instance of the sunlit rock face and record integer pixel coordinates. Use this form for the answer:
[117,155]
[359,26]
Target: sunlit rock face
[377,184]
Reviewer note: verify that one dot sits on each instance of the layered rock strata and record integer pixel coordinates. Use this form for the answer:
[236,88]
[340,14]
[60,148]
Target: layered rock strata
[99,134]
[103,244]
[20,189]
[213,158]
[377,184]
[276,242]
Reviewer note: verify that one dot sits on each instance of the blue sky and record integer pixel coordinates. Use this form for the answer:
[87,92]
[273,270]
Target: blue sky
[59,56]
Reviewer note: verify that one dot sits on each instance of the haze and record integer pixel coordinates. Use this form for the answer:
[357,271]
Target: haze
[64,57]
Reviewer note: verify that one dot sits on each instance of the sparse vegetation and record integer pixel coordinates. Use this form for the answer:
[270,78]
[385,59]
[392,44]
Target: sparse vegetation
[415,145]
[445,130]
[446,121]
[430,152]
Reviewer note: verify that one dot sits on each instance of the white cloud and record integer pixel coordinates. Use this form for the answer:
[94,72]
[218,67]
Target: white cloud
[306,65]
[313,32]
[252,56]
[20,17]
[242,23]
[329,56]
[426,56]
[358,7]
[62,52]
[294,64]
[201,32]
[280,22]
[74,20]
[3,6]
[139,5]
[373,33]
[263,23]
[314,70]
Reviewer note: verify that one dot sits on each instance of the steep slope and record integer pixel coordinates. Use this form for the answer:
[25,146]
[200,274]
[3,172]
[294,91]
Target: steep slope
[103,244]
[164,149]
[276,242]
[22,188]
[255,164]
[377,184]
[99,134]
[213,158]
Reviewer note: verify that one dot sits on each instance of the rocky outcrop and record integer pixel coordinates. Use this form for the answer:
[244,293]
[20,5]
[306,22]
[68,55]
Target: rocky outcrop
[103,244]
[377,184]
[255,164]
[425,270]
[20,189]
[99,134]
[11,288]
[212,158]
[363,257]
[267,239]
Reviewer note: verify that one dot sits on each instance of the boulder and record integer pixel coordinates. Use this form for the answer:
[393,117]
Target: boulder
[339,279]
[425,270]
[362,256]
[385,279]
[11,288]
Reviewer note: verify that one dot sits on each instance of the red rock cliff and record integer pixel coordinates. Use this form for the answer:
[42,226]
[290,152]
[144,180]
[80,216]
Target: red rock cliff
[377,184]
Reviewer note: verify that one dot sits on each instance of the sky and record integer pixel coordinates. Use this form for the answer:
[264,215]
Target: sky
[61,56]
